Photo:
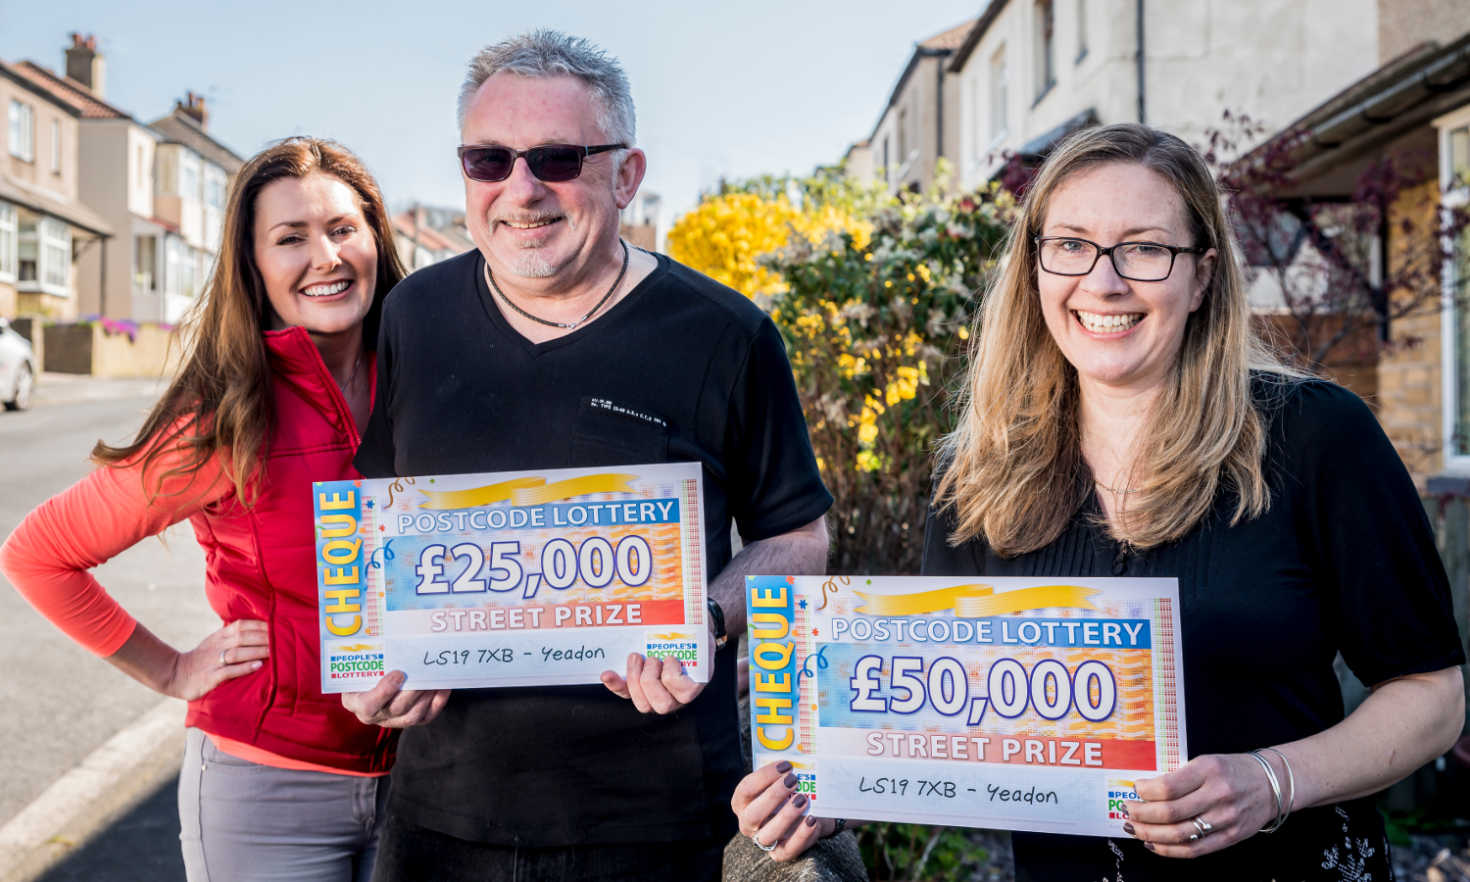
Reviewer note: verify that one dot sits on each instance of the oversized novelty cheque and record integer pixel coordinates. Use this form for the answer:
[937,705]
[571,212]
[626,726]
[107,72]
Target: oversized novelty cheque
[1018,704]
[510,578]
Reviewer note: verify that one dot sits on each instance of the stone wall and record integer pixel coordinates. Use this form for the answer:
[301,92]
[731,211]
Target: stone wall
[152,353]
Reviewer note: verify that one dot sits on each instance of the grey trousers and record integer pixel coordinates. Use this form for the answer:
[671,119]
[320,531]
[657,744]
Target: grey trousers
[244,822]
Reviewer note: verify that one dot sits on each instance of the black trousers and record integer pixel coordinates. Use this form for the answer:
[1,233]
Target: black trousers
[413,854]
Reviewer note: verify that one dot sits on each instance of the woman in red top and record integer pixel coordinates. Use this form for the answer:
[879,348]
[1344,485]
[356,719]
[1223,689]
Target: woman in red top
[278,781]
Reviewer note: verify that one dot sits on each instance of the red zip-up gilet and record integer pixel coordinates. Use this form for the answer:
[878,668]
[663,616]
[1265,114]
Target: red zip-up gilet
[260,564]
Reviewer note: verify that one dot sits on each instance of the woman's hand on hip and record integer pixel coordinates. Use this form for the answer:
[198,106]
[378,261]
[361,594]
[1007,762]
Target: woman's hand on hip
[1229,794]
[234,650]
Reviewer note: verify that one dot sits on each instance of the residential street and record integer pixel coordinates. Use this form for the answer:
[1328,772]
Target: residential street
[64,703]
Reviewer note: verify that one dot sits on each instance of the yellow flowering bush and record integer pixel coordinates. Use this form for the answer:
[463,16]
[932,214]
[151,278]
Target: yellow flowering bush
[873,295]
[725,236]
[875,326]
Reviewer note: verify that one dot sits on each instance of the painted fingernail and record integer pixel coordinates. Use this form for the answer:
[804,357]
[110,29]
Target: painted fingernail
[1149,846]
[799,802]
[790,781]
[1124,811]
[1128,828]
[783,766]
[811,820]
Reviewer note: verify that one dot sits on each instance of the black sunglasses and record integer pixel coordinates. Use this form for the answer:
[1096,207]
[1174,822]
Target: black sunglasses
[552,163]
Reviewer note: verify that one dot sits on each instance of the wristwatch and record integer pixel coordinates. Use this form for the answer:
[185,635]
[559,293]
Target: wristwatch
[717,618]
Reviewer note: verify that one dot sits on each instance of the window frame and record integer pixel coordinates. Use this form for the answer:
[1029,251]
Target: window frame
[1454,193]
[1081,31]
[51,237]
[999,97]
[1044,39]
[9,233]
[22,130]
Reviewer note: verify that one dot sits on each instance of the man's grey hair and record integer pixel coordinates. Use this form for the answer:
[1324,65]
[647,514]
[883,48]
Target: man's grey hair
[547,53]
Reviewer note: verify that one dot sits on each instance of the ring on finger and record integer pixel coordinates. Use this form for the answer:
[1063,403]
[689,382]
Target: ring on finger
[761,845]
[1204,827]
[222,662]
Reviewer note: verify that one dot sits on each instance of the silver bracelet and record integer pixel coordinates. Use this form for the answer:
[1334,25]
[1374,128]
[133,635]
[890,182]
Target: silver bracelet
[1275,791]
[1290,780]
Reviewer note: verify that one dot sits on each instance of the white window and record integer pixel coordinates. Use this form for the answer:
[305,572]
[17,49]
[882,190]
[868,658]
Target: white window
[55,255]
[1045,19]
[22,131]
[189,268]
[43,247]
[7,241]
[214,187]
[976,113]
[55,147]
[145,264]
[1081,29]
[189,176]
[173,265]
[998,98]
[168,172]
[903,135]
[1454,152]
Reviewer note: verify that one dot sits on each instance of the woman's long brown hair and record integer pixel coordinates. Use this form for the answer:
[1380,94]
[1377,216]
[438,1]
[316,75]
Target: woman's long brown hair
[220,402]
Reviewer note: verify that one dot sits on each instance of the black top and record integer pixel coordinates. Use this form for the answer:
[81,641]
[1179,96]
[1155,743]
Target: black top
[1344,561]
[682,369]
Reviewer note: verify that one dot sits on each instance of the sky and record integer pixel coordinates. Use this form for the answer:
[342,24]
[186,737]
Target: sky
[722,89]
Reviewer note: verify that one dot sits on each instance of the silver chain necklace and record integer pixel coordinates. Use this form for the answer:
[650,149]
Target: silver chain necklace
[569,326]
[1114,490]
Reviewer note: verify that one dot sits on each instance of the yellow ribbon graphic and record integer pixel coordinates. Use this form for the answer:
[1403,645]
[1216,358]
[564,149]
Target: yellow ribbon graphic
[526,491]
[976,601]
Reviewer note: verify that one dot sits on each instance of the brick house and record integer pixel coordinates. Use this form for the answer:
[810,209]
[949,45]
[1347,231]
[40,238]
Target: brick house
[1415,110]
[44,225]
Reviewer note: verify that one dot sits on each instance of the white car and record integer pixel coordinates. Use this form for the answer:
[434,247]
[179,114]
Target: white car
[17,369]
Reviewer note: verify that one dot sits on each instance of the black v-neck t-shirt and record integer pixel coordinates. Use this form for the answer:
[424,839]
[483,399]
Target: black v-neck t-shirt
[1343,561]
[681,369]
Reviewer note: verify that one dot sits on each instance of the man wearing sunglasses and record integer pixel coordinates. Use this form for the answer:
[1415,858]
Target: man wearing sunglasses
[553,344]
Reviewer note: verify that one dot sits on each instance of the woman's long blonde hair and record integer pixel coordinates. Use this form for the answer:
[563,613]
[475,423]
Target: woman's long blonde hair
[220,402]
[1013,469]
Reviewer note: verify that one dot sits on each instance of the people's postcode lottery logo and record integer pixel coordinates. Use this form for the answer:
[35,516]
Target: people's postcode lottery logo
[672,646]
[1118,793]
[354,664]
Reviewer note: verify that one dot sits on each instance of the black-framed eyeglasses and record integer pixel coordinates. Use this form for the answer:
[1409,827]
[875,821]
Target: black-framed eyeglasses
[1136,261]
[552,163]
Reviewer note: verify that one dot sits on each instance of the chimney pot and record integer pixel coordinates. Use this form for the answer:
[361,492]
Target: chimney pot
[85,64]
[193,107]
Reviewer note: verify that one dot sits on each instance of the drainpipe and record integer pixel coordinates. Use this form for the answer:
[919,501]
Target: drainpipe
[102,281]
[939,106]
[1142,118]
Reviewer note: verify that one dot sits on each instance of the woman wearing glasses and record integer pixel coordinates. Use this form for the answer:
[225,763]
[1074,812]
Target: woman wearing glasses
[1121,419]
[278,780]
